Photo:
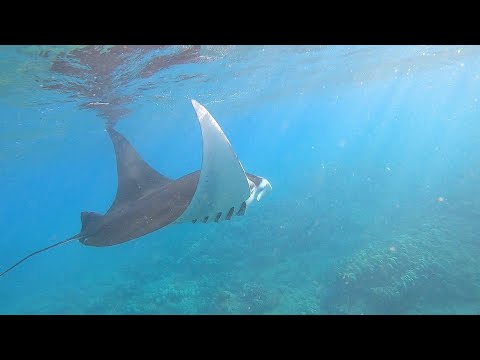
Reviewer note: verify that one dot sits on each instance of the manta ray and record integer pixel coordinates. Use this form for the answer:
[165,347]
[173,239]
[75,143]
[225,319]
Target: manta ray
[147,201]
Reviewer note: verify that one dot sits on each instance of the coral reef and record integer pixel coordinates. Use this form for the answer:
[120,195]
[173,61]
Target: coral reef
[423,267]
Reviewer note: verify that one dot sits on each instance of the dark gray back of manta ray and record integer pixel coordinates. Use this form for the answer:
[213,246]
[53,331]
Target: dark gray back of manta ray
[137,183]
[145,200]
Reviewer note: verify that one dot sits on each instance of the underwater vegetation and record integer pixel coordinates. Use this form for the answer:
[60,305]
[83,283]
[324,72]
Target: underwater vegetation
[411,271]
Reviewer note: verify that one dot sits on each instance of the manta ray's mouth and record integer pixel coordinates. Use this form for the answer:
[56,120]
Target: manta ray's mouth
[259,191]
[263,189]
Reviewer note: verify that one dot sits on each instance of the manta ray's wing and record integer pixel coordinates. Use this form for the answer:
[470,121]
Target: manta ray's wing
[223,186]
[135,176]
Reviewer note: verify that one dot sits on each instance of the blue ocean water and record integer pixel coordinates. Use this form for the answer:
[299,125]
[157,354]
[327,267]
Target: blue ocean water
[372,152]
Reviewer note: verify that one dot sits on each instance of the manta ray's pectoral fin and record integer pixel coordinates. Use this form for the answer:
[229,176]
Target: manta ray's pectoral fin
[223,184]
[135,176]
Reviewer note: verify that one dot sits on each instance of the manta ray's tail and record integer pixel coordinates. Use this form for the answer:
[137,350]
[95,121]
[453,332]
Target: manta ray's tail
[39,251]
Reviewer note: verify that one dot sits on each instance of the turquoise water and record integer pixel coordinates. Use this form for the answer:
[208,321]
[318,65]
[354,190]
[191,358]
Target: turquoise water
[372,152]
